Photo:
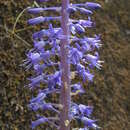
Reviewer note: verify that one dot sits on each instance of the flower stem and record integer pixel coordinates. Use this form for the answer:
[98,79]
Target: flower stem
[65,97]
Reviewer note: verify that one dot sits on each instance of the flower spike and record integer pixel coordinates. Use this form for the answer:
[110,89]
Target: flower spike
[58,53]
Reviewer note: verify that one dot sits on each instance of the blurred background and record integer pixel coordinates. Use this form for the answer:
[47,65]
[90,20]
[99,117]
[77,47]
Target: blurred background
[110,91]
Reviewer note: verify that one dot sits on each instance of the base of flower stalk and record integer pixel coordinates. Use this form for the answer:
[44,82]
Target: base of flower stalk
[64,115]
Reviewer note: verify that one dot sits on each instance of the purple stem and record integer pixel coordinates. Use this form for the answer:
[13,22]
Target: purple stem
[65,98]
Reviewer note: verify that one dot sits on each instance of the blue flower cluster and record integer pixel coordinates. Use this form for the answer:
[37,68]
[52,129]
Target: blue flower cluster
[43,58]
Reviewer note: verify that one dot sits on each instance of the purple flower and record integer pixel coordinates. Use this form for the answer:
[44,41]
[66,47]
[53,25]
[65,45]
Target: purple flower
[85,110]
[72,9]
[93,5]
[39,97]
[38,122]
[38,10]
[36,81]
[47,107]
[85,11]
[45,55]
[79,28]
[77,46]
[75,55]
[51,33]
[86,75]
[74,111]
[37,20]
[77,87]
[84,129]
[42,0]
[95,42]
[54,80]
[80,67]
[94,60]
[88,122]
[40,34]
[39,44]
[86,47]
[35,10]
[86,23]
[41,19]
[72,29]
[33,106]
[39,68]
[34,57]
